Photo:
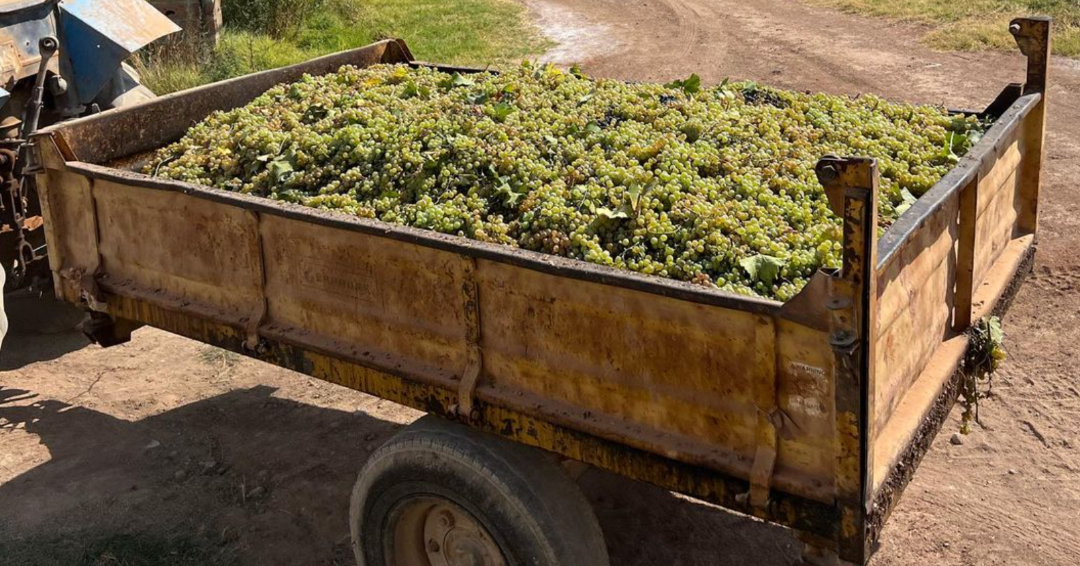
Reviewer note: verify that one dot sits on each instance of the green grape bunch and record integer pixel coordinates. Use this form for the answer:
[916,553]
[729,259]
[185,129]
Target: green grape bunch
[709,185]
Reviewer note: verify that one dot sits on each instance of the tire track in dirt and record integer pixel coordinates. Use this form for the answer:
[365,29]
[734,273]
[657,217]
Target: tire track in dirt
[689,26]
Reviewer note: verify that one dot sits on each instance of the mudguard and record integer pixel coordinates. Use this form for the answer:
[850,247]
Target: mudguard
[97,35]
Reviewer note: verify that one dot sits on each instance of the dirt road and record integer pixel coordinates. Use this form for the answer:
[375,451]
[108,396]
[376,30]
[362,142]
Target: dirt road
[212,458]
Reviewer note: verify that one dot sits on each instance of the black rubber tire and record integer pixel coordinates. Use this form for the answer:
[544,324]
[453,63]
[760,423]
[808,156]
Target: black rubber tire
[520,495]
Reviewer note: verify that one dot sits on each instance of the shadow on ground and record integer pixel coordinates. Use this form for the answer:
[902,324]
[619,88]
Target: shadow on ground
[41,329]
[250,478]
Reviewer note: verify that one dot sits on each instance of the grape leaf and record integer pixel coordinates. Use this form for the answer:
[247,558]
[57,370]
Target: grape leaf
[499,112]
[605,212]
[764,268]
[509,195]
[908,200]
[280,170]
[689,85]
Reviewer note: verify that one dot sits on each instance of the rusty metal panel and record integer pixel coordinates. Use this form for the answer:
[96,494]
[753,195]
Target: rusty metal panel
[671,376]
[391,304]
[805,370]
[179,246]
[917,283]
[676,377]
[999,204]
[915,295]
[70,232]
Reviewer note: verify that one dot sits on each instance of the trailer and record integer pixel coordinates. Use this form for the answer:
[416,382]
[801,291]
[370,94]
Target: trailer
[812,414]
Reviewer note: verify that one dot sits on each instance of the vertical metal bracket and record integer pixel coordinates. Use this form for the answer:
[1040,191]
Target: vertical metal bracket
[770,418]
[252,341]
[965,255]
[1033,37]
[474,356]
[851,185]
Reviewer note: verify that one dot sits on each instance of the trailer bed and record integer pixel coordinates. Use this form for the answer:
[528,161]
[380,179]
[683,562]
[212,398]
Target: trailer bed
[812,413]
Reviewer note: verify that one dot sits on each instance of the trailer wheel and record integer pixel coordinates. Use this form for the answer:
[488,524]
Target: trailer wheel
[441,494]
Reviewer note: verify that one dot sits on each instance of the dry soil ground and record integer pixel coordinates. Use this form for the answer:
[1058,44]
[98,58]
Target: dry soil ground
[188,449]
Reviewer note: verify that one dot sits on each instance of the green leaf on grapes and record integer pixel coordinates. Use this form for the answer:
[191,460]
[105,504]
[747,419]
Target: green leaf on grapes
[280,170]
[973,137]
[462,80]
[689,85]
[500,111]
[576,71]
[634,192]
[607,213]
[592,128]
[908,199]
[955,145]
[589,96]
[764,268]
[510,197]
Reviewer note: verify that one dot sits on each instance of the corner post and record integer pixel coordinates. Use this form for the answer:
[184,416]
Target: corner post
[1033,37]
[851,185]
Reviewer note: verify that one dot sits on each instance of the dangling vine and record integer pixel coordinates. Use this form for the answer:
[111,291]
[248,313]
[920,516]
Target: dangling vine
[984,354]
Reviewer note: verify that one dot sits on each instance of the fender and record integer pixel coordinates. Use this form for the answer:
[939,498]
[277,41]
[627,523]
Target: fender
[98,35]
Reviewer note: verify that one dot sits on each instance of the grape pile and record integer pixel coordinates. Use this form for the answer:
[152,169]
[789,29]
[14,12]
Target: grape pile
[714,186]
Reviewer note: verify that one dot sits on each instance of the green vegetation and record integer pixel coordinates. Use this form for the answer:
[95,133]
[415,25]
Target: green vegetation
[715,186]
[264,34]
[984,354]
[972,25]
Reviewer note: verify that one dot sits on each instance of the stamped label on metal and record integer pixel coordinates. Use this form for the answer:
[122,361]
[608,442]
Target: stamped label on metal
[800,368]
[347,280]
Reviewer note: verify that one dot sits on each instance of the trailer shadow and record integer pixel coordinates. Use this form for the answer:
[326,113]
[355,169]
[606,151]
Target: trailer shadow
[247,477]
[40,329]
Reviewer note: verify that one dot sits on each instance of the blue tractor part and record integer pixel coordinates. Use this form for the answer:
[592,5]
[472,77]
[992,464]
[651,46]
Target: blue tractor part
[96,37]
[59,59]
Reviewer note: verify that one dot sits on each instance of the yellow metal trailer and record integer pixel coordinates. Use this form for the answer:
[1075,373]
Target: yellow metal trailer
[812,413]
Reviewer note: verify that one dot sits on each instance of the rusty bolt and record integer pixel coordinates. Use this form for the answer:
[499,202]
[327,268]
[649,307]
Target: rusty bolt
[446,520]
[842,338]
[828,174]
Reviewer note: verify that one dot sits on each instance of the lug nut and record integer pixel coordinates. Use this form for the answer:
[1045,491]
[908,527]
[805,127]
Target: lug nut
[446,520]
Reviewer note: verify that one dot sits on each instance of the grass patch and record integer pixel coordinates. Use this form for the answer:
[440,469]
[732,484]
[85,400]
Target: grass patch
[116,550]
[467,32]
[973,25]
[218,357]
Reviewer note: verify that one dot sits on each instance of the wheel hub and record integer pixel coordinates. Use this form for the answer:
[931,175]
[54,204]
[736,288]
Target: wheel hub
[444,534]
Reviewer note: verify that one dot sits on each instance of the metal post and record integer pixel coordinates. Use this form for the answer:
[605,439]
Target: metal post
[851,186]
[1033,37]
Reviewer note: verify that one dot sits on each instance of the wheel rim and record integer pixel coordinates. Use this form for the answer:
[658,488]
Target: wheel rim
[431,531]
